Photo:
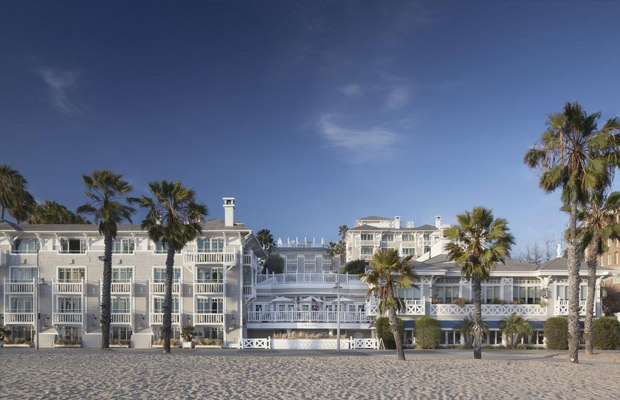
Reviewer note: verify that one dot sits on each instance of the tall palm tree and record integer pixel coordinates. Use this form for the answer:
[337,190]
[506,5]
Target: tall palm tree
[388,274]
[109,206]
[265,238]
[515,327]
[599,220]
[51,212]
[574,155]
[173,218]
[342,231]
[14,197]
[478,241]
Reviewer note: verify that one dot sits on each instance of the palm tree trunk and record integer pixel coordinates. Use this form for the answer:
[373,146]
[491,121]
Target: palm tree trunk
[477,327]
[592,253]
[396,332]
[573,286]
[168,298]
[106,297]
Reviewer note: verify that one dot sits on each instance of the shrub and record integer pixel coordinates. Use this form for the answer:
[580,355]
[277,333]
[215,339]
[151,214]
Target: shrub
[427,333]
[354,267]
[606,334]
[384,332]
[459,301]
[521,346]
[274,263]
[556,333]
[188,332]
[611,303]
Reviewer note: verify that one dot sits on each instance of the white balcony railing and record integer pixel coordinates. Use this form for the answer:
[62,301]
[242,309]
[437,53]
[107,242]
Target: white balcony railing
[412,307]
[13,287]
[208,319]
[304,278]
[561,307]
[68,287]
[19,318]
[121,318]
[494,310]
[160,288]
[307,316]
[210,258]
[158,318]
[209,288]
[121,288]
[248,290]
[68,318]
[247,260]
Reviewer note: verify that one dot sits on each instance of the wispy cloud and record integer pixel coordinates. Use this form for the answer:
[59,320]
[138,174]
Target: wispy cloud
[61,83]
[397,97]
[352,90]
[359,145]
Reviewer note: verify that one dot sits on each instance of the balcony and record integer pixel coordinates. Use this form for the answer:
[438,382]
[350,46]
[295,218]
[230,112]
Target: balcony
[158,318]
[307,316]
[488,310]
[247,260]
[303,278]
[13,287]
[121,317]
[18,318]
[68,287]
[412,307]
[248,291]
[121,288]
[208,319]
[209,288]
[561,307]
[68,318]
[210,258]
[160,288]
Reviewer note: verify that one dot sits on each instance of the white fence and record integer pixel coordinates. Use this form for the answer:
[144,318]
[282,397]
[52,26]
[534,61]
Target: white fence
[256,343]
[497,310]
[309,278]
[210,258]
[209,288]
[307,316]
[310,344]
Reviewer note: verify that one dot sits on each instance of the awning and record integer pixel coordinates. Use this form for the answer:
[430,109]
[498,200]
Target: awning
[310,299]
[281,300]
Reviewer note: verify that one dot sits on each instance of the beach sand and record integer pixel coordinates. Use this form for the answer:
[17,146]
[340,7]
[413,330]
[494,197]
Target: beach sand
[259,374]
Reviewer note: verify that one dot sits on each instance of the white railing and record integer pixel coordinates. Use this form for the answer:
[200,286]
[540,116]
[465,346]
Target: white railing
[121,287]
[160,288]
[158,318]
[121,318]
[256,343]
[308,278]
[209,288]
[15,287]
[210,258]
[496,310]
[248,290]
[68,318]
[18,317]
[364,343]
[561,307]
[68,287]
[307,316]
[208,319]
[247,260]
[412,307]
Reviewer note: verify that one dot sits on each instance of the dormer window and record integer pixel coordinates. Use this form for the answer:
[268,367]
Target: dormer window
[123,246]
[73,246]
[25,246]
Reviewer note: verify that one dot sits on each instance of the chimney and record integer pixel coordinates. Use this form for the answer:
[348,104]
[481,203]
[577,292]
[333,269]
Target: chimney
[438,221]
[559,251]
[229,211]
[396,222]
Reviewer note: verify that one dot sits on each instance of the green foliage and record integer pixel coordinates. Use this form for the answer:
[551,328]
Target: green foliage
[188,332]
[515,327]
[611,303]
[14,197]
[384,332]
[354,267]
[606,334]
[427,333]
[4,332]
[274,264]
[556,333]
[265,238]
[51,212]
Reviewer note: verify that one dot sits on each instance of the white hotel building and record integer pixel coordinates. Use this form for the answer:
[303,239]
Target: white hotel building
[51,281]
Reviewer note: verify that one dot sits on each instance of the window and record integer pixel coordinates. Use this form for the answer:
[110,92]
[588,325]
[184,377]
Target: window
[427,236]
[450,337]
[73,246]
[161,248]
[22,274]
[526,291]
[366,250]
[159,333]
[120,333]
[159,275]
[388,237]
[213,245]
[69,332]
[367,236]
[210,332]
[158,305]
[602,261]
[408,251]
[122,274]
[408,237]
[121,305]
[491,291]
[20,332]
[494,338]
[70,274]
[123,246]
[411,293]
[608,259]
[25,246]
[427,249]
[446,289]
[207,275]
[21,304]
[69,305]
[209,305]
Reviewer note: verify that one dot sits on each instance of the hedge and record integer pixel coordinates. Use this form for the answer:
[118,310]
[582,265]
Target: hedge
[427,333]
[384,332]
[556,333]
[606,334]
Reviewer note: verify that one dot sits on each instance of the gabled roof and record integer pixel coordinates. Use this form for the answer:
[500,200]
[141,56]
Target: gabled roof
[442,261]
[375,218]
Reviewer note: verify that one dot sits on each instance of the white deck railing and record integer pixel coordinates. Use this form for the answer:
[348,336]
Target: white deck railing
[208,319]
[209,288]
[18,287]
[561,307]
[412,307]
[248,290]
[307,316]
[68,287]
[158,318]
[494,310]
[210,258]
[68,318]
[247,260]
[308,278]
[160,288]
[121,318]
[19,318]
[121,287]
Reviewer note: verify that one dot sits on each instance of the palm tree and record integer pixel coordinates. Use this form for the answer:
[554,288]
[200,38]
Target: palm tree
[108,205]
[388,274]
[477,243]
[516,327]
[265,238]
[599,219]
[173,218]
[51,212]
[342,231]
[13,195]
[574,155]
[466,329]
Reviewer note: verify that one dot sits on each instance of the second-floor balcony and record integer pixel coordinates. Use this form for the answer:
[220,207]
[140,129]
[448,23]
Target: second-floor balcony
[68,287]
[18,287]
[160,288]
[209,288]
[303,278]
[123,317]
[208,318]
[210,258]
[121,287]
[157,318]
[18,318]
[488,310]
[69,317]
[308,316]
[562,307]
[411,307]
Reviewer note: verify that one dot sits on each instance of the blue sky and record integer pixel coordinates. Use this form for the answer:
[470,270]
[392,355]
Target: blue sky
[310,113]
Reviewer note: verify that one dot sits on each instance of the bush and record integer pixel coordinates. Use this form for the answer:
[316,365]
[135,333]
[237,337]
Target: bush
[606,334]
[274,264]
[521,346]
[611,303]
[427,333]
[556,333]
[188,332]
[384,332]
[354,267]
